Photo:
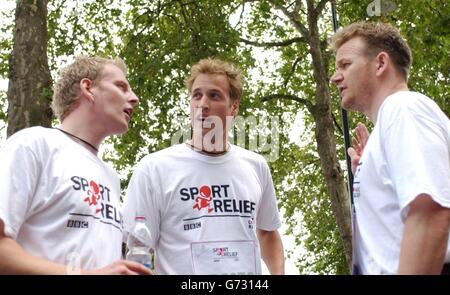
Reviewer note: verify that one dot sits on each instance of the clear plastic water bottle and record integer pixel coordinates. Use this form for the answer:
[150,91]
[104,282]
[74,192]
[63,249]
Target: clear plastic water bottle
[138,244]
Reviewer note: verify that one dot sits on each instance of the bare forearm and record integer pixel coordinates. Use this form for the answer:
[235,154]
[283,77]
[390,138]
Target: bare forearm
[275,261]
[15,260]
[425,239]
[272,251]
[422,253]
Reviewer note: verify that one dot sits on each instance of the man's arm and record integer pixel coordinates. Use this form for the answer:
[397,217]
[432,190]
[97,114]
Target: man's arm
[271,250]
[15,260]
[425,237]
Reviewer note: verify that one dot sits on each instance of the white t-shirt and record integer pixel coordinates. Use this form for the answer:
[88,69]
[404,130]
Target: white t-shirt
[407,154]
[203,211]
[58,200]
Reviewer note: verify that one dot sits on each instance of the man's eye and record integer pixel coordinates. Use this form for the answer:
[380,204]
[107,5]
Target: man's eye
[123,87]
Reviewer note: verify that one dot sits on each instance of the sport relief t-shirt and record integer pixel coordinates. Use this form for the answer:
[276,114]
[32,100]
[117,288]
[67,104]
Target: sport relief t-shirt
[58,200]
[203,211]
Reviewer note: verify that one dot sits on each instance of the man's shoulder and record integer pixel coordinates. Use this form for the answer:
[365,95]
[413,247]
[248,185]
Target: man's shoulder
[406,99]
[248,155]
[30,136]
[34,131]
[162,156]
[411,102]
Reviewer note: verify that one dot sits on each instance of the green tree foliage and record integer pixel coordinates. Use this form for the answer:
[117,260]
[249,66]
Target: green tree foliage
[426,27]
[160,42]
[6,37]
[297,172]
[160,39]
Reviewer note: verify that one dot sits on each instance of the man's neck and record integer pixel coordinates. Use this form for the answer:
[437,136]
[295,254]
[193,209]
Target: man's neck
[79,128]
[383,92]
[209,148]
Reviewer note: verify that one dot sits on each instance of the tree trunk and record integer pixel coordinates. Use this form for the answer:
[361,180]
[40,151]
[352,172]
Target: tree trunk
[29,89]
[326,144]
[321,112]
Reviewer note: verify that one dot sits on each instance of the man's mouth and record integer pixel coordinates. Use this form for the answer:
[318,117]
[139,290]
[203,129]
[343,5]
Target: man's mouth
[129,112]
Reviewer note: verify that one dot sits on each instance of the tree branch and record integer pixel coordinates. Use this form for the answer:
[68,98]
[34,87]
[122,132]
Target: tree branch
[310,7]
[273,44]
[319,8]
[294,66]
[337,125]
[297,6]
[303,101]
[240,16]
[186,3]
[293,17]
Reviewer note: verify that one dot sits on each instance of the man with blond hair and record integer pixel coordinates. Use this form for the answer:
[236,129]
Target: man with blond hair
[59,202]
[210,205]
[402,181]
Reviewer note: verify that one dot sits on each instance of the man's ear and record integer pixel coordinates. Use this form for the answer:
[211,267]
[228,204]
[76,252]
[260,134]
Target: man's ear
[86,89]
[382,61]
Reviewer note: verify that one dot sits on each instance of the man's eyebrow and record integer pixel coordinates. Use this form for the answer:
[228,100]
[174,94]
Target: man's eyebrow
[341,61]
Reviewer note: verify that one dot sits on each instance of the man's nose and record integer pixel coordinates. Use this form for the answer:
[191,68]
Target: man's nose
[204,102]
[336,78]
[133,99]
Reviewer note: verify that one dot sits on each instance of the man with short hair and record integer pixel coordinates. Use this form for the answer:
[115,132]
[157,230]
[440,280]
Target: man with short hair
[210,205]
[402,182]
[59,203]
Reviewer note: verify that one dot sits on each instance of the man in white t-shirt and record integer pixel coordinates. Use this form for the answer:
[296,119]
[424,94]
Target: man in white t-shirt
[210,205]
[402,181]
[59,203]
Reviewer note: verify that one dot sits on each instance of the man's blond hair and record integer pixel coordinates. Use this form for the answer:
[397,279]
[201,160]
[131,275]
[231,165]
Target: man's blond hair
[378,37]
[67,88]
[216,66]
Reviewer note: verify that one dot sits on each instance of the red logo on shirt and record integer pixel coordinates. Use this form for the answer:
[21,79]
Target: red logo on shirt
[204,199]
[220,251]
[93,195]
[97,198]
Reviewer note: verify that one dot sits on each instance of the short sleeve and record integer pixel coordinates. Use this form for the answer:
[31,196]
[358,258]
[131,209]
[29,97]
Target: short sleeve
[140,200]
[19,174]
[268,217]
[417,154]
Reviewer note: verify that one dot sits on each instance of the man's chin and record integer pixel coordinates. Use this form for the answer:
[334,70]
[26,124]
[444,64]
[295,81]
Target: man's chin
[346,104]
[121,130]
